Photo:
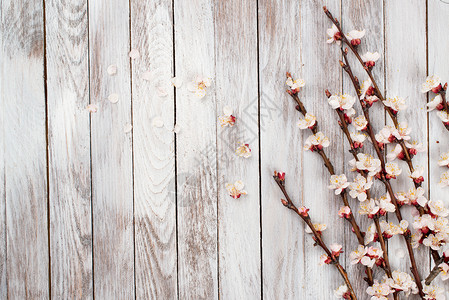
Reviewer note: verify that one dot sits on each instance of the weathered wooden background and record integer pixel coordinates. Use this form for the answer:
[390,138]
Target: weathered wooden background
[89,209]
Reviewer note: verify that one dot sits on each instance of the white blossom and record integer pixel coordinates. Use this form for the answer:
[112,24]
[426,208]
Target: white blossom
[444,179]
[227,119]
[444,160]
[342,292]
[396,103]
[416,196]
[368,163]
[360,122]
[343,101]
[444,116]
[308,121]
[444,275]
[199,86]
[402,132]
[437,208]
[243,150]
[359,186]
[385,204]
[395,153]
[318,227]
[295,85]
[392,170]
[401,281]
[379,291]
[357,255]
[434,241]
[334,35]
[369,207]
[432,82]
[433,292]
[316,141]
[338,183]
[354,36]
[436,102]
[370,58]
[415,147]
[236,190]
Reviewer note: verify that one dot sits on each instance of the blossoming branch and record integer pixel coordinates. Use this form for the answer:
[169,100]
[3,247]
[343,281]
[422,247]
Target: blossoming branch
[332,253]
[430,225]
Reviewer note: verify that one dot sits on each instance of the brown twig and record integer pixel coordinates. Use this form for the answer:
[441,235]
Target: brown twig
[328,164]
[316,235]
[442,93]
[435,271]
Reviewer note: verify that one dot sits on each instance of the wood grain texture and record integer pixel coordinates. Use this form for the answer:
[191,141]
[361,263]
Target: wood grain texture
[25,164]
[236,80]
[282,232]
[438,63]
[405,30]
[366,15]
[321,71]
[69,149]
[154,160]
[112,177]
[196,152]
[3,236]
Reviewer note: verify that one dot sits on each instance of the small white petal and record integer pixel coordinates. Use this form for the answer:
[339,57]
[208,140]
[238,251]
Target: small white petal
[92,108]
[177,82]
[134,53]
[158,122]
[227,110]
[176,128]
[161,92]
[146,76]
[128,127]
[113,98]
[112,70]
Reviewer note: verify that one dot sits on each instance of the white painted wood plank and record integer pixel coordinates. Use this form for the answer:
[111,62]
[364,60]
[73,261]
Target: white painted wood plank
[25,169]
[3,278]
[237,87]
[112,178]
[438,63]
[405,31]
[368,15]
[321,71]
[282,232]
[196,152]
[154,160]
[69,149]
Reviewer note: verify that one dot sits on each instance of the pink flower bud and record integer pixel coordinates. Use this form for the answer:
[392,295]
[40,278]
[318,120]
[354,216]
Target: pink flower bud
[303,211]
[437,89]
[355,42]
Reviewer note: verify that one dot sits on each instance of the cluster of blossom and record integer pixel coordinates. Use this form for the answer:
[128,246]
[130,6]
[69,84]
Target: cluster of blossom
[433,83]
[376,207]
[314,142]
[399,282]
[367,256]
[444,162]
[336,251]
[235,190]
[344,103]
[432,229]
[388,229]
